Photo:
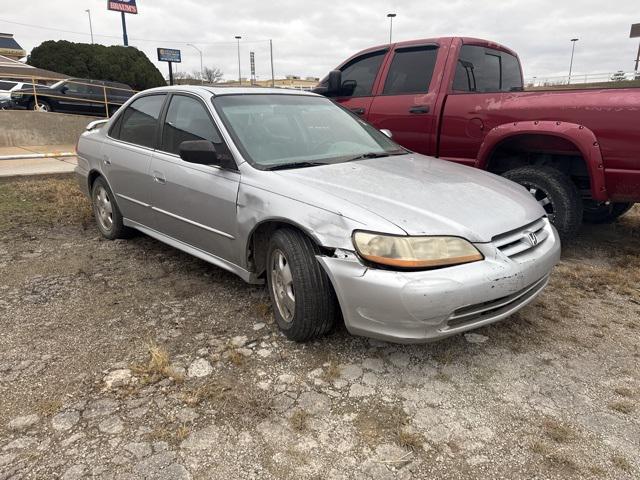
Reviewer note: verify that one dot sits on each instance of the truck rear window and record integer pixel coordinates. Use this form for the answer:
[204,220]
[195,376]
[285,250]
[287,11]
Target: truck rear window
[485,70]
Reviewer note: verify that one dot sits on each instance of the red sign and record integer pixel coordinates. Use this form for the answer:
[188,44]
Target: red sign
[126,6]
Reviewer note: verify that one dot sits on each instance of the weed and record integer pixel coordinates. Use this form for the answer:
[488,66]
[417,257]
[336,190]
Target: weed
[622,406]
[621,462]
[332,372]
[299,420]
[49,407]
[409,440]
[557,432]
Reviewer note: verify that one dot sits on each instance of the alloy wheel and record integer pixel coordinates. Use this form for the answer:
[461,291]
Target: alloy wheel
[104,208]
[282,285]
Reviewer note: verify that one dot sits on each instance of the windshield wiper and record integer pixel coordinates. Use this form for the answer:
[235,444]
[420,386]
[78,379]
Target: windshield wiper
[376,155]
[286,166]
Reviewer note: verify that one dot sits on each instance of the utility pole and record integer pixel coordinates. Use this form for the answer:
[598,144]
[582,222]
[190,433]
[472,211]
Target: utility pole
[573,48]
[391,17]
[238,37]
[90,26]
[273,79]
[201,69]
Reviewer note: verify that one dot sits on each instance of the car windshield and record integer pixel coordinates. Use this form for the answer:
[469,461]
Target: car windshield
[290,131]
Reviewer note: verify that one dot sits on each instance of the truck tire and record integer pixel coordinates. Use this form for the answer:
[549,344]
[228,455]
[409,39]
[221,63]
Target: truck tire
[304,302]
[555,192]
[594,213]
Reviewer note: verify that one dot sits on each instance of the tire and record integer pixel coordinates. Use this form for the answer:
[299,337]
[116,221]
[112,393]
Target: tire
[304,302]
[106,211]
[594,213]
[43,106]
[556,193]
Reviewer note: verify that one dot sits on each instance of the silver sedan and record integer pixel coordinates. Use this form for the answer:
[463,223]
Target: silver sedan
[341,222]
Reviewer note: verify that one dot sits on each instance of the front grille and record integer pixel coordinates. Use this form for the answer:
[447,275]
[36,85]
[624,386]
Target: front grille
[482,311]
[521,240]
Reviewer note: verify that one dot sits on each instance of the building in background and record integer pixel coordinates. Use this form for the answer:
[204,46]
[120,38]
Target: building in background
[10,48]
[290,81]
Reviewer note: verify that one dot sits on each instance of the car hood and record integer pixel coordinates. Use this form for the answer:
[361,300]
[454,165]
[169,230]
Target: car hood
[426,196]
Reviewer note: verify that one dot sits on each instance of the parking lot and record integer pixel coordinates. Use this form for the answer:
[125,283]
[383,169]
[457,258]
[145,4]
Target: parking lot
[129,359]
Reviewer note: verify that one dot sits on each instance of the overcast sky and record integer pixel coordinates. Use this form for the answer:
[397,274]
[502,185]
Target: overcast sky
[311,37]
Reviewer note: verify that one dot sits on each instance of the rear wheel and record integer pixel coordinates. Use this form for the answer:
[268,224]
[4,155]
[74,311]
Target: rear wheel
[555,192]
[304,302]
[106,211]
[601,213]
[40,106]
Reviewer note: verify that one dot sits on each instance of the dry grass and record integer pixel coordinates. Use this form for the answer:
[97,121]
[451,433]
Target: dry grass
[409,440]
[382,422]
[49,407]
[624,392]
[236,358]
[263,309]
[299,420]
[170,434]
[622,463]
[557,431]
[622,406]
[332,372]
[157,367]
[42,201]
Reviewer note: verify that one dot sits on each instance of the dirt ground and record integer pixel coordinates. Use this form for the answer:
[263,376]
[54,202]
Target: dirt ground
[129,359]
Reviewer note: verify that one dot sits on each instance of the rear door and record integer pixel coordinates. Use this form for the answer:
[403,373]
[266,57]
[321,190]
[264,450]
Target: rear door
[484,77]
[407,99]
[195,204]
[127,156]
[359,77]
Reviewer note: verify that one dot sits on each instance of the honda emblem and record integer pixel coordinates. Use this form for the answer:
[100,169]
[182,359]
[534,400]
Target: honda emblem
[532,238]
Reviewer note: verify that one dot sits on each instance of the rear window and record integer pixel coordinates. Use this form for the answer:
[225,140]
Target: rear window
[139,122]
[411,70]
[481,69]
[4,85]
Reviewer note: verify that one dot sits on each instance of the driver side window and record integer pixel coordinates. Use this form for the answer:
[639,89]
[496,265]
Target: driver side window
[359,74]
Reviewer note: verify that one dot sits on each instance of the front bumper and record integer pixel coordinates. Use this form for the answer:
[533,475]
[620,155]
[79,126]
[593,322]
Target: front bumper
[415,307]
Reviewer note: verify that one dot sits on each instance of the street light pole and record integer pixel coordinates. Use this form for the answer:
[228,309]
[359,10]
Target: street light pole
[391,17]
[90,26]
[573,48]
[238,37]
[201,69]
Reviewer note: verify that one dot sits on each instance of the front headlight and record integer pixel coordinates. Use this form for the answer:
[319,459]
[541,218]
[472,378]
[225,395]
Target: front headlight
[414,252]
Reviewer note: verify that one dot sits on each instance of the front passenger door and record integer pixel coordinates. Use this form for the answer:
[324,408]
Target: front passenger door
[195,204]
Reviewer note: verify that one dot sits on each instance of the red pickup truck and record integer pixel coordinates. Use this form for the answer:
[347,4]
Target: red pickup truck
[462,99]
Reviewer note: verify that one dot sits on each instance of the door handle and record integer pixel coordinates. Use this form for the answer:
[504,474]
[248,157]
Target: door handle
[357,111]
[419,109]
[159,178]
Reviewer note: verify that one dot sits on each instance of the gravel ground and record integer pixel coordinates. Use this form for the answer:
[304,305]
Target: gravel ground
[129,359]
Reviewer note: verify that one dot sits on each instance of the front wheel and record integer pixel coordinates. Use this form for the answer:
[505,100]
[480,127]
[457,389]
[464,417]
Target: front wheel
[40,106]
[304,302]
[601,213]
[555,192]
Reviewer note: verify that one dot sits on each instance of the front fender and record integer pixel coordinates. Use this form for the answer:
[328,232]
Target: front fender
[579,135]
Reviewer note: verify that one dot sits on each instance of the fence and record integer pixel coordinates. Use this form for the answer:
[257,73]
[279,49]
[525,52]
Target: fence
[96,96]
[576,79]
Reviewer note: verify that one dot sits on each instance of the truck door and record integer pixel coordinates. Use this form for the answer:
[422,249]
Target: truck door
[484,77]
[358,79]
[406,103]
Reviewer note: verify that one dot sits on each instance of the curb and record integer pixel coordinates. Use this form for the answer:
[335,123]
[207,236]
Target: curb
[37,155]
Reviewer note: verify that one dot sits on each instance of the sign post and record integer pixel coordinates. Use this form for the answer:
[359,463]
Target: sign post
[635,33]
[252,60]
[123,6]
[170,56]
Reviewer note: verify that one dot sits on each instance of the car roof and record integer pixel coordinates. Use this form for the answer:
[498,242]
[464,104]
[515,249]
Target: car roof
[219,91]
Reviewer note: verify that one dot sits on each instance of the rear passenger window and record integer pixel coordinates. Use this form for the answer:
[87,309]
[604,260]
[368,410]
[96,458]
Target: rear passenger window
[138,123]
[411,70]
[482,69]
[187,119]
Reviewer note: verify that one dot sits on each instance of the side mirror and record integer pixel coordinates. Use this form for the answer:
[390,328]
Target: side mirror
[387,132]
[64,89]
[203,152]
[333,85]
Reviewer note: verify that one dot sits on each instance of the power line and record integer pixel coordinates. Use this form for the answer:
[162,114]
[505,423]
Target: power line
[184,42]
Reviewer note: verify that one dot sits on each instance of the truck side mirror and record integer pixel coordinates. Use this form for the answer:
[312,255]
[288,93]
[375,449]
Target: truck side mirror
[332,86]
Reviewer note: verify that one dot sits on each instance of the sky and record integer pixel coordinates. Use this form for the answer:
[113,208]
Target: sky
[312,37]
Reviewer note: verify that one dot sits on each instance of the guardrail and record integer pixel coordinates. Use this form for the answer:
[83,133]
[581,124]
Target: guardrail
[575,79]
[37,82]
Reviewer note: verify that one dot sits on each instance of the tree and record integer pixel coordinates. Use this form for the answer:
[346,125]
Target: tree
[212,75]
[116,63]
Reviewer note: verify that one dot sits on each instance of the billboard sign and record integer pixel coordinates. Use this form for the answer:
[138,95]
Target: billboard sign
[252,62]
[635,30]
[126,6]
[169,55]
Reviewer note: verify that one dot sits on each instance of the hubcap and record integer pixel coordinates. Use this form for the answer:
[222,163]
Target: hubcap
[104,210]
[543,199]
[282,286]
[41,107]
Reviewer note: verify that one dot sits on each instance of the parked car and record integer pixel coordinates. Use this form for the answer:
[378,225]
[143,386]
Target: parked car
[462,99]
[6,87]
[74,95]
[287,187]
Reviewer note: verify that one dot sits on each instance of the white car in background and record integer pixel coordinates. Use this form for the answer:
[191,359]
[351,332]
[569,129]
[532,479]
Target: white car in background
[8,86]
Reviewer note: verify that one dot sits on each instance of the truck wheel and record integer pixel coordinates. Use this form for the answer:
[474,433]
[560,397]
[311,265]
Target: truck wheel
[42,106]
[600,213]
[304,303]
[555,192]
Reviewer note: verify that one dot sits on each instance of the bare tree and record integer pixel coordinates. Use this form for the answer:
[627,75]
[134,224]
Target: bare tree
[212,75]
